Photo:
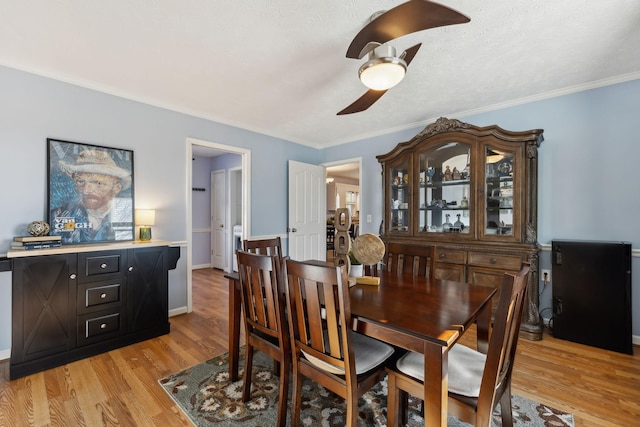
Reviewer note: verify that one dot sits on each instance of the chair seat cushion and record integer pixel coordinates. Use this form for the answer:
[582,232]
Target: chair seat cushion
[466,367]
[368,352]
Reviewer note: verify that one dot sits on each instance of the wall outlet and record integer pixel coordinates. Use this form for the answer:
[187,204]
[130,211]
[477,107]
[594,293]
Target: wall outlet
[545,276]
[369,219]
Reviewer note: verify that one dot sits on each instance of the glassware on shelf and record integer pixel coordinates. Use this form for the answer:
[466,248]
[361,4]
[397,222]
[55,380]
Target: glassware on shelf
[431,171]
[458,225]
[447,224]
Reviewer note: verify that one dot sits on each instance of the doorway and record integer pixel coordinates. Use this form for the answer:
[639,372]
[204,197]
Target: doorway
[201,148]
[343,191]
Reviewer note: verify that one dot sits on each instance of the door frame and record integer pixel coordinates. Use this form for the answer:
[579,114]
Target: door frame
[246,199]
[357,160]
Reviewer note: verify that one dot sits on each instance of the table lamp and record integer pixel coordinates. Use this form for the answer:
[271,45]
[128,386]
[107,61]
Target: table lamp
[145,218]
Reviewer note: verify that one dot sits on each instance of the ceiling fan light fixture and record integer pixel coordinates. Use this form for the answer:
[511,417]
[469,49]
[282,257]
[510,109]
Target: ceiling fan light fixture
[383,70]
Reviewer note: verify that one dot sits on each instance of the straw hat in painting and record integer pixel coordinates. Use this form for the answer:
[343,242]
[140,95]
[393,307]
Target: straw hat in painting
[98,162]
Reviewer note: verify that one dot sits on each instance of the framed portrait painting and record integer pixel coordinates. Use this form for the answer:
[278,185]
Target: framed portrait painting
[90,192]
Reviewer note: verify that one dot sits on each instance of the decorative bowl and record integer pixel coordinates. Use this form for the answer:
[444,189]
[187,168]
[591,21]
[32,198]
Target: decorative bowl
[38,228]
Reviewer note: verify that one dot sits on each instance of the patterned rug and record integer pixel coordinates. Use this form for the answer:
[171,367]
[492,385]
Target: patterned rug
[206,395]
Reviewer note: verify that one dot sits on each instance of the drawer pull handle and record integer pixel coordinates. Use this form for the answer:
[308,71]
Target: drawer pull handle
[103,326]
[103,265]
[443,256]
[130,268]
[72,277]
[493,260]
[103,295]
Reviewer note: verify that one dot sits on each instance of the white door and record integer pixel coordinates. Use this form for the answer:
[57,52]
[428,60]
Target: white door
[307,212]
[218,223]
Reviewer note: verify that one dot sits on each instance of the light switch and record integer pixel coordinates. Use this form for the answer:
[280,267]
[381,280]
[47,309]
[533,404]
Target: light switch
[369,219]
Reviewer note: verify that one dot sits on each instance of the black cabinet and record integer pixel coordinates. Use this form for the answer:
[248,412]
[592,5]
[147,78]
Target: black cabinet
[69,306]
[592,293]
[42,300]
[147,306]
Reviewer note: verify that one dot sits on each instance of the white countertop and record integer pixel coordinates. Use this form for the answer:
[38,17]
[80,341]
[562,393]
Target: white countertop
[68,248]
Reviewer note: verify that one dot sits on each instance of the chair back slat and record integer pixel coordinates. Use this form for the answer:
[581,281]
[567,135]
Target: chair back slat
[331,305]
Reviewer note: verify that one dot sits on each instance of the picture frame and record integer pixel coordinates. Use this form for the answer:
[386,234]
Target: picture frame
[90,192]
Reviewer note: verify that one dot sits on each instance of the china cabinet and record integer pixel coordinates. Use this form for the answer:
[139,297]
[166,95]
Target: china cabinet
[472,193]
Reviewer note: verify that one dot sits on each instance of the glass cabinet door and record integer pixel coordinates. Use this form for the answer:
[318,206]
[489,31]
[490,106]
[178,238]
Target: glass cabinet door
[399,197]
[499,199]
[444,203]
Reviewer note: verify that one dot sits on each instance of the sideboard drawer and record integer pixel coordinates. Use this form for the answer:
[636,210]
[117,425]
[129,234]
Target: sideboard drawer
[451,255]
[104,264]
[501,261]
[101,295]
[94,328]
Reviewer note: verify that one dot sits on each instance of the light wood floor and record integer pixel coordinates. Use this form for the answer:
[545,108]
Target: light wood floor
[119,388]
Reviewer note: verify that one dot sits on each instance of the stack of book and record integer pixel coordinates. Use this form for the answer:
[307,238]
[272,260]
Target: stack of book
[36,242]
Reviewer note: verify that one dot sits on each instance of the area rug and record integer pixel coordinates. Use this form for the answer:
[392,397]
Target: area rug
[207,396]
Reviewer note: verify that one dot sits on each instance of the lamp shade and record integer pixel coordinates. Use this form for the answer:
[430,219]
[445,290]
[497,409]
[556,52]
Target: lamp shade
[383,70]
[145,217]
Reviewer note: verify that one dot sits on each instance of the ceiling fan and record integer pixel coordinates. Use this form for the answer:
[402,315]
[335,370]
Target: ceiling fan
[383,63]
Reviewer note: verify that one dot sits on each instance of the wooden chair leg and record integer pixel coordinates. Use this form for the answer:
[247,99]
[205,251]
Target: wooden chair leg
[352,407]
[283,393]
[297,399]
[505,407]
[393,418]
[248,366]
[403,407]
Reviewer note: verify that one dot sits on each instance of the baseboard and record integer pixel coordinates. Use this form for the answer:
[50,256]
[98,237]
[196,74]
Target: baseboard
[178,311]
[5,354]
[635,339]
[199,266]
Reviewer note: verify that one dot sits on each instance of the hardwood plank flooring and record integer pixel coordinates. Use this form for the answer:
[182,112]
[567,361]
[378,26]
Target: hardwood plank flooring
[119,388]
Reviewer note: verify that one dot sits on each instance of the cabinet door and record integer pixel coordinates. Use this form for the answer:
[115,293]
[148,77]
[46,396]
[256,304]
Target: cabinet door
[446,271]
[503,192]
[147,303]
[445,183]
[43,306]
[399,192]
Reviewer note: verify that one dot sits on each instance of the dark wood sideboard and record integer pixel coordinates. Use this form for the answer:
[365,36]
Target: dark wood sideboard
[81,300]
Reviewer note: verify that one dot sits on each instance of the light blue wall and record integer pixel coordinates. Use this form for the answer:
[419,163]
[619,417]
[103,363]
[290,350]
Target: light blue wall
[586,185]
[587,166]
[34,108]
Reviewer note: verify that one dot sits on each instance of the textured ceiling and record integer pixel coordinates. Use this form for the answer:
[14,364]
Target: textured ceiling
[279,67]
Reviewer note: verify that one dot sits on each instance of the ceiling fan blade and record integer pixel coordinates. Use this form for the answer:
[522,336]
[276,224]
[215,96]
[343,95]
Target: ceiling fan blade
[364,102]
[407,18]
[410,53]
[371,96]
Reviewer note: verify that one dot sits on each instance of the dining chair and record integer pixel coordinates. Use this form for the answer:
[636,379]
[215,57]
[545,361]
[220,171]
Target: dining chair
[272,246]
[325,348]
[402,258]
[266,329]
[477,381]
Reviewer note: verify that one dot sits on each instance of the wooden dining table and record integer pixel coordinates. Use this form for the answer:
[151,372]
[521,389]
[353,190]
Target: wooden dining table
[421,314]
